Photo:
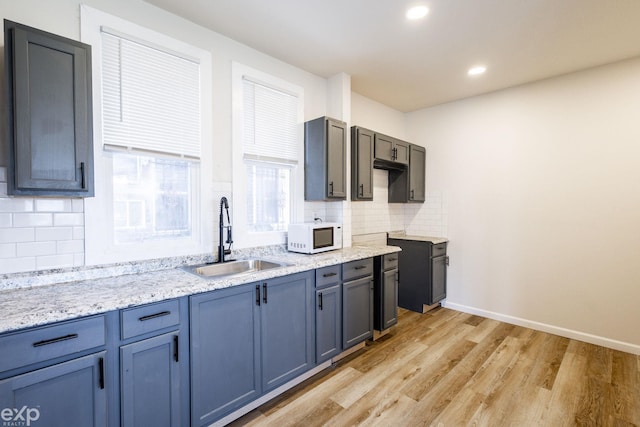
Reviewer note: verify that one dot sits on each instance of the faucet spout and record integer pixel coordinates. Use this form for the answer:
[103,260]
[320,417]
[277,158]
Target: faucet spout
[222,251]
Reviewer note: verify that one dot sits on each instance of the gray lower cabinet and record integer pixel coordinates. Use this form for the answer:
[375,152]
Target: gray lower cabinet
[328,312]
[154,364]
[56,374]
[423,279]
[385,295]
[248,340]
[151,382]
[357,302]
[66,394]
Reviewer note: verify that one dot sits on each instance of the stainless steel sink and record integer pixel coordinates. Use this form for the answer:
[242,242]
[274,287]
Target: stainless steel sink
[233,268]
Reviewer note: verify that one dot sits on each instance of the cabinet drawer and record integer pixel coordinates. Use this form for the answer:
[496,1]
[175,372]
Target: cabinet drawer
[327,276]
[37,345]
[354,269]
[148,318]
[439,249]
[390,261]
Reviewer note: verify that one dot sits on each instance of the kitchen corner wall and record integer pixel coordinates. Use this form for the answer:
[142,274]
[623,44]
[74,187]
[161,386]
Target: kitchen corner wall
[39,233]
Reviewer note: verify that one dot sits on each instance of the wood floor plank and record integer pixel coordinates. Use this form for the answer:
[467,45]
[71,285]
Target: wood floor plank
[446,368]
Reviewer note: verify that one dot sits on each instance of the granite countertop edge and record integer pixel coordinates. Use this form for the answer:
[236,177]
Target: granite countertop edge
[40,305]
[434,240]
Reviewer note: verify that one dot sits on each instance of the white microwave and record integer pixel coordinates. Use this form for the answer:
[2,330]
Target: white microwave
[314,237]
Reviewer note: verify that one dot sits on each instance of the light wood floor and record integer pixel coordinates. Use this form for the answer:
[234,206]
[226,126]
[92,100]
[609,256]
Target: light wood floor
[447,368]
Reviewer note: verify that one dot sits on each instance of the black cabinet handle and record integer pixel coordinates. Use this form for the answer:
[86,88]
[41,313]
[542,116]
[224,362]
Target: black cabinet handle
[394,153]
[320,300]
[55,340]
[362,189]
[176,351]
[412,193]
[329,274]
[264,293]
[360,267]
[331,188]
[153,316]
[83,179]
[257,294]
[392,259]
[101,373]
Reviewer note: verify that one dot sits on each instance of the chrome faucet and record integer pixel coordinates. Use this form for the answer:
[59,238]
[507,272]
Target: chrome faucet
[221,250]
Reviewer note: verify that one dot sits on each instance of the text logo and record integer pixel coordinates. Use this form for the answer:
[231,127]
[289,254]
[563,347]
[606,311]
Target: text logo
[14,417]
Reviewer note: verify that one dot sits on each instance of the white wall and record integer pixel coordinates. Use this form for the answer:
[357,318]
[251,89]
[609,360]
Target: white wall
[20,218]
[543,189]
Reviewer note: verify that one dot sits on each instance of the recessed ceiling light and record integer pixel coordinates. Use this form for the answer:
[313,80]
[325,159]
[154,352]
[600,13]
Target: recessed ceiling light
[417,12]
[477,70]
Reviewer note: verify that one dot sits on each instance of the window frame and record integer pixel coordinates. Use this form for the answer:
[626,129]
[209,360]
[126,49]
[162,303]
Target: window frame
[100,247]
[244,238]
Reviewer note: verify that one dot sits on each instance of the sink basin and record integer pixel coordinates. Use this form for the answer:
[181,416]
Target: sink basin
[233,268]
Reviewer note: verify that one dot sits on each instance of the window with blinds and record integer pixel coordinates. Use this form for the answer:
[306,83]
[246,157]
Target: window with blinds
[270,152]
[151,127]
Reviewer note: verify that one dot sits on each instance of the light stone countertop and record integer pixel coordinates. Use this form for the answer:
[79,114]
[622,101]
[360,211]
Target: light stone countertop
[434,240]
[38,305]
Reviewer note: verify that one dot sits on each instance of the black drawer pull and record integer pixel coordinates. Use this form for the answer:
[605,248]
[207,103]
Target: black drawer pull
[153,316]
[101,373]
[55,340]
[257,294]
[360,267]
[264,293]
[392,259]
[329,274]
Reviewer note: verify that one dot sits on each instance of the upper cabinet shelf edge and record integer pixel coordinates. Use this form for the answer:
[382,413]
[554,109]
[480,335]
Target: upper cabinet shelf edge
[49,114]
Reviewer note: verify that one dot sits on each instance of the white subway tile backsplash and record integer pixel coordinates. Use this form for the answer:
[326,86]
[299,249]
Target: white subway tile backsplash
[70,246]
[32,220]
[5,220]
[54,261]
[11,204]
[54,233]
[13,235]
[7,250]
[53,205]
[77,205]
[16,265]
[26,249]
[78,233]
[68,219]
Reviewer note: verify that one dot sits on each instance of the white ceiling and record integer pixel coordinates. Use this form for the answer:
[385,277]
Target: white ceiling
[411,65]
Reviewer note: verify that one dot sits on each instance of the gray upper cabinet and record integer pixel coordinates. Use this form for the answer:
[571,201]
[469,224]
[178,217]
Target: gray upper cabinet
[390,149]
[49,113]
[408,185]
[362,141]
[325,153]
[417,166]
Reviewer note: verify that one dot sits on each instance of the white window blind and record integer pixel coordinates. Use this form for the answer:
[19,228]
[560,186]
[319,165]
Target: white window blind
[151,98]
[270,124]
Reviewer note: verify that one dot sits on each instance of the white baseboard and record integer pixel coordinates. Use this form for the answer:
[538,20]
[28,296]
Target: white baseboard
[563,332]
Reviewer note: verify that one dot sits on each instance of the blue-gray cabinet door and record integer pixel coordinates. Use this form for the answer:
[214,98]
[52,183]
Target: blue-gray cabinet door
[357,311]
[67,394]
[328,323]
[438,279]
[225,352]
[287,328]
[150,387]
[390,298]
